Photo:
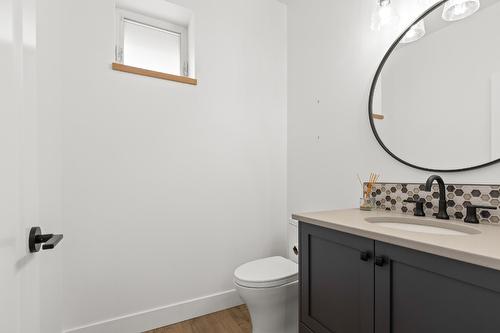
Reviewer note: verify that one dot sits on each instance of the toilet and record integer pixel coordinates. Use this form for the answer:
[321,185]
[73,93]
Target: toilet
[269,287]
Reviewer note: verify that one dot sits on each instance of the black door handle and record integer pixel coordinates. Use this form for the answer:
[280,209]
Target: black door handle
[52,242]
[380,261]
[36,239]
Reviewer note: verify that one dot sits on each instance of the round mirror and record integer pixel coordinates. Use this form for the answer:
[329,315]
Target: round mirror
[435,99]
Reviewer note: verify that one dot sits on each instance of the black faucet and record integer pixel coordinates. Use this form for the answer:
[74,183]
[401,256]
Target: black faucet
[442,214]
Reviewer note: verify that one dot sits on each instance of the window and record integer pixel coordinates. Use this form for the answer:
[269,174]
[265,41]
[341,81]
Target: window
[148,43]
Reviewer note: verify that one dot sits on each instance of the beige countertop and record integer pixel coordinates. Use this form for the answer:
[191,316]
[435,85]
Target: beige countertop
[481,249]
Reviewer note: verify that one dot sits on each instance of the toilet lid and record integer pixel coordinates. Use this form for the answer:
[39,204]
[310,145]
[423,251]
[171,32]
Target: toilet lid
[266,273]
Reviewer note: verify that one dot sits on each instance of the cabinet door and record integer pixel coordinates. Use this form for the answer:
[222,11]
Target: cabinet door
[417,292]
[336,281]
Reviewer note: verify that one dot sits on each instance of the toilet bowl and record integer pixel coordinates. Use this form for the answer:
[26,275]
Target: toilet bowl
[269,287]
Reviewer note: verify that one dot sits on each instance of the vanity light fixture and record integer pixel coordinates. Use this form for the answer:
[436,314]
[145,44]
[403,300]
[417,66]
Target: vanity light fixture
[384,15]
[416,32]
[455,10]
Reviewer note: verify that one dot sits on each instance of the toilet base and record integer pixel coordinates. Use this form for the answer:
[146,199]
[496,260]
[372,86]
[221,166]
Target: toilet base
[272,310]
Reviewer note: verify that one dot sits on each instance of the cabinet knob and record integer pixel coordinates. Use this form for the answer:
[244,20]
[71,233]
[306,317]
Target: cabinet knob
[365,256]
[380,261]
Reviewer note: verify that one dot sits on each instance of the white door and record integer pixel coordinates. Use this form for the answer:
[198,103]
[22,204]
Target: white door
[23,276]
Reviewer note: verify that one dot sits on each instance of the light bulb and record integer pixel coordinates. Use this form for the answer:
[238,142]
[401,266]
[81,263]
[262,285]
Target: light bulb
[384,15]
[455,10]
[416,32]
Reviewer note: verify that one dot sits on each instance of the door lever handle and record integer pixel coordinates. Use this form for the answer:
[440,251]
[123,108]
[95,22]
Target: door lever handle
[52,242]
[36,239]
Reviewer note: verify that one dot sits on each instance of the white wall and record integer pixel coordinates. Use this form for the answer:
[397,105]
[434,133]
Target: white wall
[168,187]
[333,56]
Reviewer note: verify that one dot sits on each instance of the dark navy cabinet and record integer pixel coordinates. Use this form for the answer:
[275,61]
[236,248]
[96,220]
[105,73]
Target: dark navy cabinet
[417,292]
[336,281]
[350,284]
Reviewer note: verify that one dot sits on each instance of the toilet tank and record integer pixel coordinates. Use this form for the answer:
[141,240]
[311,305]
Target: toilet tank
[293,240]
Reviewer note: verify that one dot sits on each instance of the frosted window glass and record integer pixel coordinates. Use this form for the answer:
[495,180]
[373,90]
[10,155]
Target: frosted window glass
[151,48]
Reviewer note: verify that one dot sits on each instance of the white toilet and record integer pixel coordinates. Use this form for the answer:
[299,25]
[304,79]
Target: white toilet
[269,287]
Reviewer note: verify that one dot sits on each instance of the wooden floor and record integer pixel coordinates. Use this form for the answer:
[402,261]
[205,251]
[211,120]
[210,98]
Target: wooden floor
[235,320]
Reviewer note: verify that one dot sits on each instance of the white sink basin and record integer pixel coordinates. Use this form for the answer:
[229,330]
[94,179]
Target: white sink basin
[423,226]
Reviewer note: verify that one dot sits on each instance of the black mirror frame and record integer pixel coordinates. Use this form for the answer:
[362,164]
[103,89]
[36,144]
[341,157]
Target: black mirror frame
[372,93]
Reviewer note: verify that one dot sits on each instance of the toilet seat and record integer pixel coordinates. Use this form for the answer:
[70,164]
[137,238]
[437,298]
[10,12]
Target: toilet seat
[266,273]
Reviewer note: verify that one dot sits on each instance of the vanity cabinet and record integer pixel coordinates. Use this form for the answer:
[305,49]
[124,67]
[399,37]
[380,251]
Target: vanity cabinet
[350,284]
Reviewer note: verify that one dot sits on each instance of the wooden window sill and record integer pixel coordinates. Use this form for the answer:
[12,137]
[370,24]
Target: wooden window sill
[150,73]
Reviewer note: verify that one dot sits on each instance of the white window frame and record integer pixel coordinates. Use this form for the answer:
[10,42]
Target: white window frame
[126,15]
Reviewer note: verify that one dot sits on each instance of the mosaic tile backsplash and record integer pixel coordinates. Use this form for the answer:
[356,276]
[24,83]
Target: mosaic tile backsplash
[391,196]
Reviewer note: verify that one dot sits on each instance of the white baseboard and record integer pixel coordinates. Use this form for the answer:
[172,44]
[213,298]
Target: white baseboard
[163,316]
